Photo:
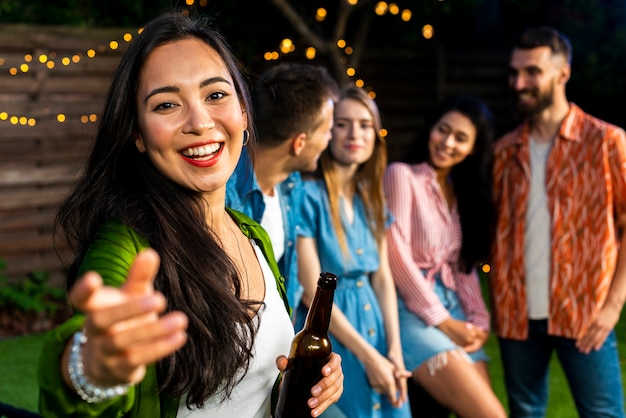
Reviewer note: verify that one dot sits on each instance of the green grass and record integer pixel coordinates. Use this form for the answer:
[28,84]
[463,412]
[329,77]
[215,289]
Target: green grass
[18,363]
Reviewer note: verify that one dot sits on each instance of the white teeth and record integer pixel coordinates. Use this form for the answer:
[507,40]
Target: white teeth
[201,151]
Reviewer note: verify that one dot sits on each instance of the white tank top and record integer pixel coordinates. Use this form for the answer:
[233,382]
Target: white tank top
[252,396]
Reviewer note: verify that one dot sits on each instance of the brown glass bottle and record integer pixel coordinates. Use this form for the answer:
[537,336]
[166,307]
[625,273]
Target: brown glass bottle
[310,351]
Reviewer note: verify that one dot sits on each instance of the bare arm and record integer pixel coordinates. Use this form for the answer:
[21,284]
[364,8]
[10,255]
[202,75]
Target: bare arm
[379,369]
[385,289]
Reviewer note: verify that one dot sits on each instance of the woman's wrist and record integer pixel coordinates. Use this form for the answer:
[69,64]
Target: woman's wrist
[88,391]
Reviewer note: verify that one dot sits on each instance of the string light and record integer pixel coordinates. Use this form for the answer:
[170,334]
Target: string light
[320,14]
[48,61]
[428,31]
[310,53]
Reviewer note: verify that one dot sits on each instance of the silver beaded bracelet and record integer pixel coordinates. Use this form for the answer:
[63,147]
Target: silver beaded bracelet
[85,389]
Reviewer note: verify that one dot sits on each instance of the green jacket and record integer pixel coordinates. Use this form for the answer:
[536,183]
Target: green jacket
[111,255]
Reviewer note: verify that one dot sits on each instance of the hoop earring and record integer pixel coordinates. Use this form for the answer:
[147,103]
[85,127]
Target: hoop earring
[246,138]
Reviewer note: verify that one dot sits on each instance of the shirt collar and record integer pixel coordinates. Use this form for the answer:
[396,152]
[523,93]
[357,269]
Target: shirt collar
[569,129]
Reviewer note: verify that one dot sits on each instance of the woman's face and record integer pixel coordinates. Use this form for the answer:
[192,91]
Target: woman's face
[191,121]
[451,140]
[354,134]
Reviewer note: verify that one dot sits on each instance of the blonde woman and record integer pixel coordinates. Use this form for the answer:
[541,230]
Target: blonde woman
[343,231]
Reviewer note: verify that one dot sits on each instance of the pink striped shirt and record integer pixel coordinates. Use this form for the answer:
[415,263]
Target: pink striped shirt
[426,235]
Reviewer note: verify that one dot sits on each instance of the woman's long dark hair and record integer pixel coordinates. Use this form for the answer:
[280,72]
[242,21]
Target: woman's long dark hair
[195,275]
[471,178]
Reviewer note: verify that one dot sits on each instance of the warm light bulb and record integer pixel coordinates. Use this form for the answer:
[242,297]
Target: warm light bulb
[320,15]
[381,8]
[428,31]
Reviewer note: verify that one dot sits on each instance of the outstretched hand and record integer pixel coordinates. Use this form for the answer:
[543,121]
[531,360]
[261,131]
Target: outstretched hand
[123,326]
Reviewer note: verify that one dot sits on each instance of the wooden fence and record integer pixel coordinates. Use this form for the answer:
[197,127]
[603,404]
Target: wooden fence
[39,163]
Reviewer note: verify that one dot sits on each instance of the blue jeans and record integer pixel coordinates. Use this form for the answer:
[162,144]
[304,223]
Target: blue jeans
[594,379]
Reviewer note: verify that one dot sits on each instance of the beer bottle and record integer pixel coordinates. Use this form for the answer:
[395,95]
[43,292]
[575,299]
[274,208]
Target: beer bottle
[310,351]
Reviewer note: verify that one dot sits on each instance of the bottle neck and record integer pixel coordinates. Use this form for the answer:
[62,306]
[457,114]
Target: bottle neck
[318,317]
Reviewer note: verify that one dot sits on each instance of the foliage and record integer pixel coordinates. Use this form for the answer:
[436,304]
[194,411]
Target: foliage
[30,294]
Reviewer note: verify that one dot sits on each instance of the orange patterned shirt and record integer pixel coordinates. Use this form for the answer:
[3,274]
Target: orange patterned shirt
[586,192]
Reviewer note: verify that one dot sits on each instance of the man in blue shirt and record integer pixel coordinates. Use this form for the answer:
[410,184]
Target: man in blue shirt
[293,112]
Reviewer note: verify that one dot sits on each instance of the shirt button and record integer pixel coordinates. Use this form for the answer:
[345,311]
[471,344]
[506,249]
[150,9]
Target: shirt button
[289,243]
[371,331]
[359,283]
[367,307]
[376,406]
[359,251]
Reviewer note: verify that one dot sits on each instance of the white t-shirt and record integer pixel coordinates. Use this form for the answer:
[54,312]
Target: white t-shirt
[252,396]
[272,222]
[537,235]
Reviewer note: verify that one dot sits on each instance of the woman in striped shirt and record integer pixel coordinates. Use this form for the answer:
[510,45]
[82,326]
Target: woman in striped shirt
[440,198]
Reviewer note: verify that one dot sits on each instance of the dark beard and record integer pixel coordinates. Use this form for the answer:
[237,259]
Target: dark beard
[544,101]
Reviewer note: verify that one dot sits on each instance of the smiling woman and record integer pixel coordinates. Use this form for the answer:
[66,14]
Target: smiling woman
[201,325]
[191,127]
[441,201]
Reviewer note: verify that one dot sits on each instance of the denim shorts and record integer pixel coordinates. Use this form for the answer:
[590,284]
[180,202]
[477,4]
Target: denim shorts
[421,342]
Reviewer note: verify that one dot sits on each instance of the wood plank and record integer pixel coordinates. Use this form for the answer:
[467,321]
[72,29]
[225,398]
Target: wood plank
[28,197]
[53,37]
[25,244]
[22,175]
[26,220]
[48,128]
[22,265]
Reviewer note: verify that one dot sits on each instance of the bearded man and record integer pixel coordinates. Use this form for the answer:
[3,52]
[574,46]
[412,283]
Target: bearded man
[558,282]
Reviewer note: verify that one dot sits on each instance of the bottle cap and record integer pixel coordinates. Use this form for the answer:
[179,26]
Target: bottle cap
[328,280]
